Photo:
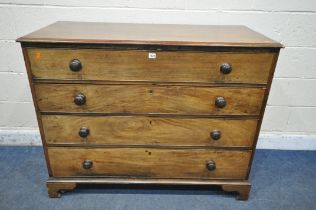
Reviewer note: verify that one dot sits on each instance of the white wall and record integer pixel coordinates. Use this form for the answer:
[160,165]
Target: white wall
[292,104]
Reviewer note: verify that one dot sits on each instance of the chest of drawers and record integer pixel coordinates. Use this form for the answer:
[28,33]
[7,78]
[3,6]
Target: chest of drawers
[149,104]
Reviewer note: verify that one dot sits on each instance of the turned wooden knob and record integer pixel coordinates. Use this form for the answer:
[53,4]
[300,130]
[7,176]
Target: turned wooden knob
[211,166]
[75,65]
[80,99]
[226,68]
[216,134]
[84,132]
[220,102]
[87,164]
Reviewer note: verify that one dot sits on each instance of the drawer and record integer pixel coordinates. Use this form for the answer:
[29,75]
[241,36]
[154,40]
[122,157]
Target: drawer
[135,65]
[149,99]
[128,130]
[149,162]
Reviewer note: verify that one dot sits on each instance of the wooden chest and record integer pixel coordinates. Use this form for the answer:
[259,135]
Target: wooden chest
[149,104]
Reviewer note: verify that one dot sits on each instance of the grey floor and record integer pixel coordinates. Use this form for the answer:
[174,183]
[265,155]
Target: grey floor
[281,180]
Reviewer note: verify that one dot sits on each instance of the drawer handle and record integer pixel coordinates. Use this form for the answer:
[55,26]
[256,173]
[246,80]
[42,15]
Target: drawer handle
[84,132]
[211,166]
[220,102]
[226,68]
[75,65]
[216,134]
[80,99]
[87,164]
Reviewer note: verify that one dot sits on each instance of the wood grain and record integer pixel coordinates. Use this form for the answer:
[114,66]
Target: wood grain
[149,162]
[150,34]
[134,65]
[120,130]
[149,99]
[263,107]
[149,119]
[34,99]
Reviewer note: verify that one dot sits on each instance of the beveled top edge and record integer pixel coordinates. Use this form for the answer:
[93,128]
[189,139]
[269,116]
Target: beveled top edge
[149,34]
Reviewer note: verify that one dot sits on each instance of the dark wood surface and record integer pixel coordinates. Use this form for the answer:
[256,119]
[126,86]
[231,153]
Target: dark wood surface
[151,34]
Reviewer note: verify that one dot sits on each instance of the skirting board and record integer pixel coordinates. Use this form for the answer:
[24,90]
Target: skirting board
[281,141]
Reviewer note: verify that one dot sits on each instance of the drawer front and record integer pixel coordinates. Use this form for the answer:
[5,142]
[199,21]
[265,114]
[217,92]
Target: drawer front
[148,99]
[149,162]
[120,130]
[135,65]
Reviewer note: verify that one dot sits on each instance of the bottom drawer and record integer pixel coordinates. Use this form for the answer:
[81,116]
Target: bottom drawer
[149,162]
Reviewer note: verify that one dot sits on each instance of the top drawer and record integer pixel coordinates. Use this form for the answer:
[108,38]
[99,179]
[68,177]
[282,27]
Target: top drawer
[143,65]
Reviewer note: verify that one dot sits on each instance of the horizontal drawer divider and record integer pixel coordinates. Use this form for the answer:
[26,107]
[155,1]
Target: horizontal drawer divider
[141,179]
[143,82]
[145,180]
[152,115]
[87,146]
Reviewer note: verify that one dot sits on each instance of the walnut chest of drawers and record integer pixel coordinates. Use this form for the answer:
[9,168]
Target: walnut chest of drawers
[149,104]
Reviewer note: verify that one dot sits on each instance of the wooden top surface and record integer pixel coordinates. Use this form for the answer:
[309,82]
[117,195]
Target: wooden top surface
[152,34]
